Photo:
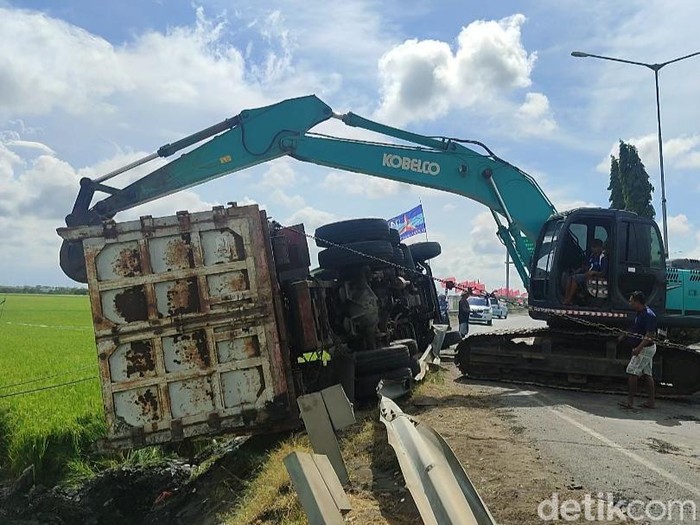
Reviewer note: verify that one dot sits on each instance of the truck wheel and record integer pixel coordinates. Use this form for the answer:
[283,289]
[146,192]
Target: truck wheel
[366,387]
[394,237]
[415,366]
[408,261]
[422,251]
[352,231]
[411,344]
[489,322]
[451,338]
[372,362]
[356,253]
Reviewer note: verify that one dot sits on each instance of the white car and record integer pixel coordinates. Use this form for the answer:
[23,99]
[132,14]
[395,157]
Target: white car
[498,308]
[480,310]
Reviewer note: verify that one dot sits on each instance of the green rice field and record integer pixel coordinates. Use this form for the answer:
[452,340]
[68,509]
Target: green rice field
[47,341]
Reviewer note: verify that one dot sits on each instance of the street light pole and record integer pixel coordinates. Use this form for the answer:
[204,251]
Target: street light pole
[661,165]
[655,68]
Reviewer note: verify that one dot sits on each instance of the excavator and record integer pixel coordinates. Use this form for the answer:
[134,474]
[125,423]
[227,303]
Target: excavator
[578,349]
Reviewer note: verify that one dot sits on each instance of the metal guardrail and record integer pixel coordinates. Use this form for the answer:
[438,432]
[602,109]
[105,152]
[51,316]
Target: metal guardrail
[443,492]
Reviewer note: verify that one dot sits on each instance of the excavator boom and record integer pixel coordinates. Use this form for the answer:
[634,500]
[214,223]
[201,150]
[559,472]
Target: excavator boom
[259,135]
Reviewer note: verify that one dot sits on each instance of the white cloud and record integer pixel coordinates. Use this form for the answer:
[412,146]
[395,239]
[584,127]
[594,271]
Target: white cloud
[247,201]
[345,183]
[679,225]
[279,174]
[187,67]
[679,152]
[535,115]
[311,217]
[483,235]
[289,201]
[40,186]
[424,79]
[32,145]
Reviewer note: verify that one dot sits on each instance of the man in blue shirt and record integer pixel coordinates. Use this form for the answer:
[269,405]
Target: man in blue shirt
[597,266]
[643,350]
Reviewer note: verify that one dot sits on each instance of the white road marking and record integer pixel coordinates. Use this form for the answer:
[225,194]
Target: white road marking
[612,444]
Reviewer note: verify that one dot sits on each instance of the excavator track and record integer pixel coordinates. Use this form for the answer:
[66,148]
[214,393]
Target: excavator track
[572,359]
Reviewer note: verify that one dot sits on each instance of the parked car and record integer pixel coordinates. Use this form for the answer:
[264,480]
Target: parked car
[498,308]
[480,310]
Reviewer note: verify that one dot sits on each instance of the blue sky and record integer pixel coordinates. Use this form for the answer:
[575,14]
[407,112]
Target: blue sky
[88,86]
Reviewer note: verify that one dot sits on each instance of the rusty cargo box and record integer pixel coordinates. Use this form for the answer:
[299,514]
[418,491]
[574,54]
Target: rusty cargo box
[185,311]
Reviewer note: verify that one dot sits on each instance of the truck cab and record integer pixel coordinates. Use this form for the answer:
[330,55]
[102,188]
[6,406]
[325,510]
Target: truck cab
[635,261]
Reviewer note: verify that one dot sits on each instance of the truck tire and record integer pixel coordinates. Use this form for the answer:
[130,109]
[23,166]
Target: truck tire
[411,344]
[350,254]
[351,231]
[394,237]
[408,261]
[372,362]
[398,256]
[451,338]
[422,251]
[366,387]
[414,366]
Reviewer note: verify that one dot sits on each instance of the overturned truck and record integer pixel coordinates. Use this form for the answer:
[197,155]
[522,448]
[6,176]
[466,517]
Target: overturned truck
[214,321]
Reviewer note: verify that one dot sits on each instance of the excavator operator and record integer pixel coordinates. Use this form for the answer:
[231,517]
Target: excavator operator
[597,266]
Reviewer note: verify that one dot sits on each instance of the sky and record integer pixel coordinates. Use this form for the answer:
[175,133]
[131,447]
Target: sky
[86,87]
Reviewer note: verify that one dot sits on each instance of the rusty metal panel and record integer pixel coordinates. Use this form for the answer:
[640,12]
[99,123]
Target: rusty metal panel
[303,316]
[185,312]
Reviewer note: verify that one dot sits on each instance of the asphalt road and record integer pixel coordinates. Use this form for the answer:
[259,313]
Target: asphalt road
[599,447]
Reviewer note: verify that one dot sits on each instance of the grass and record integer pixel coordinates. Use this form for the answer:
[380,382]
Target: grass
[43,336]
[269,496]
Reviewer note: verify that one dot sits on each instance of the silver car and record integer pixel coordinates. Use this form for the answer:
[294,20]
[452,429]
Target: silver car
[480,310]
[498,308]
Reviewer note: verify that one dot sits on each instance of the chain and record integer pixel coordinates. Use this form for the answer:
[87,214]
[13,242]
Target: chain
[605,329]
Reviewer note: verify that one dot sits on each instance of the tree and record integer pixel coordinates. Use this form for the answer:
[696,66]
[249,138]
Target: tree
[617,198]
[633,181]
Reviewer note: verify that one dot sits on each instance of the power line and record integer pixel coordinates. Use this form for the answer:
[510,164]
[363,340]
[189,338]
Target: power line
[68,383]
[41,378]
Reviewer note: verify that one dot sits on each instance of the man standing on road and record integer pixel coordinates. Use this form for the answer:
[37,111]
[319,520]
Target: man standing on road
[643,350]
[463,314]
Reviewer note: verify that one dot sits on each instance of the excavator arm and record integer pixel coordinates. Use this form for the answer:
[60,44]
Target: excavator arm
[517,203]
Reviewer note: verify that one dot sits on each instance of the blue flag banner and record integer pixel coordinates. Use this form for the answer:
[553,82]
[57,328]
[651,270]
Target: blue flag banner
[410,223]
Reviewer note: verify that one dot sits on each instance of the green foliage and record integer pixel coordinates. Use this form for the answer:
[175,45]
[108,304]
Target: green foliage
[633,181]
[617,198]
[47,336]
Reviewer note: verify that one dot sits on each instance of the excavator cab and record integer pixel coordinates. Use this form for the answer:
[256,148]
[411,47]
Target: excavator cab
[634,260]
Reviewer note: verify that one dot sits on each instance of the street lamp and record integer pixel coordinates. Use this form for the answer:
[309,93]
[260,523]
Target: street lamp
[655,68]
